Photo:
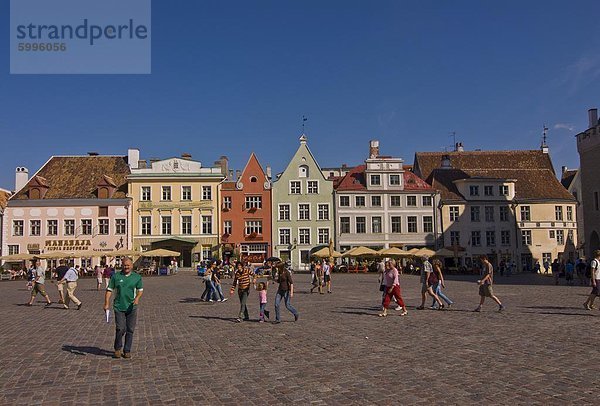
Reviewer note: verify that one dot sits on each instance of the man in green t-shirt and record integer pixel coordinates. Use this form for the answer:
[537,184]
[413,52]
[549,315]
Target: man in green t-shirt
[128,288]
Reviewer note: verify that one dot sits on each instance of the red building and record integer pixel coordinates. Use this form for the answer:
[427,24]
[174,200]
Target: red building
[246,215]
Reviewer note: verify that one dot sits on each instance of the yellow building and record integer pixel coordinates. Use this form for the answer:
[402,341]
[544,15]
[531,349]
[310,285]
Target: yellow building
[508,205]
[175,205]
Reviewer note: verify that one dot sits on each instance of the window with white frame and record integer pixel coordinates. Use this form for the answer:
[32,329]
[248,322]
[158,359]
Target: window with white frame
[206,252]
[35,227]
[304,211]
[285,236]
[476,238]
[474,190]
[396,224]
[227,227]
[165,225]
[323,235]
[359,201]
[69,226]
[253,227]
[103,226]
[52,227]
[375,180]
[525,213]
[186,193]
[303,171]
[323,211]
[427,201]
[13,249]
[295,187]
[560,237]
[375,201]
[146,194]
[455,238]
[253,202]
[488,190]
[146,223]
[453,213]
[304,236]
[86,226]
[395,201]
[411,201]
[503,190]
[505,237]
[284,212]
[411,224]
[186,225]
[120,226]
[344,201]
[206,224]
[475,211]
[394,180]
[558,213]
[345,225]
[428,224]
[526,237]
[166,193]
[569,213]
[227,202]
[376,225]
[17,228]
[361,225]
[207,192]
[503,213]
[490,238]
[312,187]
[489,213]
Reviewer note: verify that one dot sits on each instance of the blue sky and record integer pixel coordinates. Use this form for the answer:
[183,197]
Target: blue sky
[232,77]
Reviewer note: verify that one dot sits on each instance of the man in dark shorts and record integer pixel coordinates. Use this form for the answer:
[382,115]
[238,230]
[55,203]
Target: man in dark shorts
[595,265]
[485,285]
[61,270]
[39,284]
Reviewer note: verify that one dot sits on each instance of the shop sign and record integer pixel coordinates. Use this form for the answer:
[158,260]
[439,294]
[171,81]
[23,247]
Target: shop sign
[67,245]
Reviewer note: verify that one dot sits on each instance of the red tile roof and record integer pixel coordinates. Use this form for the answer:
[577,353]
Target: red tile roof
[355,181]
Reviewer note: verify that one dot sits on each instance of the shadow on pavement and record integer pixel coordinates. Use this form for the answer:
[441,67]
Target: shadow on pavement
[355,312]
[229,319]
[551,307]
[191,300]
[563,314]
[87,350]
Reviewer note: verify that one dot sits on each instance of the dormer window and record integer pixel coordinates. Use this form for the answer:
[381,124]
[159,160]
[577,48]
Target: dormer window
[34,193]
[106,188]
[474,190]
[394,180]
[103,193]
[303,171]
[375,180]
[38,188]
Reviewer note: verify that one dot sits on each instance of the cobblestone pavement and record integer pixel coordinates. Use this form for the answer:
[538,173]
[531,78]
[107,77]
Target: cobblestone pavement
[542,350]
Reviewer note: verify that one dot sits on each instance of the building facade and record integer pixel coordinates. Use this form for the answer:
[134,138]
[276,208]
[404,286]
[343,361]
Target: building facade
[508,205]
[571,180]
[588,146]
[246,215]
[73,203]
[381,205]
[175,205]
[302,209]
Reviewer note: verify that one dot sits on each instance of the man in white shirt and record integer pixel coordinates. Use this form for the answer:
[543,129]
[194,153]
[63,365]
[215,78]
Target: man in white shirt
[595,265]
[70,279]
[39,283]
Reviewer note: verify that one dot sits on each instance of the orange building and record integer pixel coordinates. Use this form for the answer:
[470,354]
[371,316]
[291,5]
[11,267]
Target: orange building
[246,215]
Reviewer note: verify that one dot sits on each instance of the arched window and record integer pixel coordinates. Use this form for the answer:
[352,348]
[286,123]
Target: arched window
[103,193]
[34,193]
[253,179]
[303,171]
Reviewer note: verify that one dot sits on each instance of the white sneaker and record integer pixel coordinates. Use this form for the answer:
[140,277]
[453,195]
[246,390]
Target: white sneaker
[398,308]
[224,300]
[211,300]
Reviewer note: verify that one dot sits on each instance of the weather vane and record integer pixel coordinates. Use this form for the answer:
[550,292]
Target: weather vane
[545,136]
[304,119]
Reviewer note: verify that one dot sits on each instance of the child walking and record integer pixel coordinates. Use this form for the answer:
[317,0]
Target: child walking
[262,296]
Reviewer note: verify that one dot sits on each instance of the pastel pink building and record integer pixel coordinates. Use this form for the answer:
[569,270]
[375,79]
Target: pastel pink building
[73,203]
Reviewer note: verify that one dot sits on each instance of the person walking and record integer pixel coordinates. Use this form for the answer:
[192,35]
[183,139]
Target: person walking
[262,299]
[209,287]
[327,267]
[546,267]
[61,270]
[99,272]
[108,272]
[39,283]
[242,279]
[580,269]
[392,289]
[556,271]
[70,278]
[285,292]
[128,288]
[569,272]
[426,288]
[485,285]
[438,283]
[216,280]
[595,268]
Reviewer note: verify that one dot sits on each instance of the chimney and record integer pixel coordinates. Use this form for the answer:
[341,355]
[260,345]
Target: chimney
[142,164]
[373,149]
[268,172]
[133,158]
[238,173]
[446,164]
[185,155]
[230,175]
[21,178]
[459,147]
[93,154]
[593,117]
[564,169]
[223,163]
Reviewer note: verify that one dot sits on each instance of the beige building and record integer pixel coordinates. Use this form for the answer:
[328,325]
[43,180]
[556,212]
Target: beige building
[175,205]
[588,146]
[506,204]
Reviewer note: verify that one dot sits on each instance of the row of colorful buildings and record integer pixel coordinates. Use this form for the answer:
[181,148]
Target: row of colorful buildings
[506,204]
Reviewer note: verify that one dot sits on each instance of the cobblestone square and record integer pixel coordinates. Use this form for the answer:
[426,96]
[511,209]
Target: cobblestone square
[542,350]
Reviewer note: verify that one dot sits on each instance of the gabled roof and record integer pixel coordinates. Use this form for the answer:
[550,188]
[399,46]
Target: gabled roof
[78,177]
[532,170]
[355,180]
[4,195]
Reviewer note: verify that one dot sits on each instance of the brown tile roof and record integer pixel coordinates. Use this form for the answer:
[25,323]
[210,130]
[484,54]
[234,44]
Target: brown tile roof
[567,177]
[78,177]
[355,181]
[3,199]
[532,170]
